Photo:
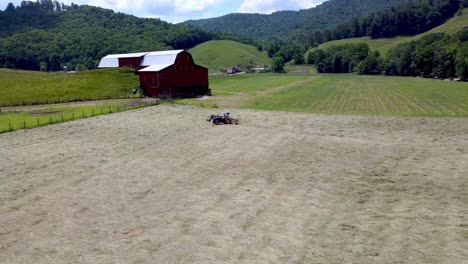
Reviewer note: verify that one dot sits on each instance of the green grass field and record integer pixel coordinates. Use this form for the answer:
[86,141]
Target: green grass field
[384,45]
[34,116]
[221,54]
[251,83]
[377,95]
[27,87]
[339,94]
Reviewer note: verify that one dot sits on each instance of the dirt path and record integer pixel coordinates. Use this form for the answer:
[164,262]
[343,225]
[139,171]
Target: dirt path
[162,185]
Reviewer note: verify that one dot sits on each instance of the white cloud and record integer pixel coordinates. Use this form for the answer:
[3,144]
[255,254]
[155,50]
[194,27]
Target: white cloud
[270,6]
[180,10]
[168,10]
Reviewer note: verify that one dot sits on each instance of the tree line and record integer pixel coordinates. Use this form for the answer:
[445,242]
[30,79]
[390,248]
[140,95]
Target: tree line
[410,18]
[436,55]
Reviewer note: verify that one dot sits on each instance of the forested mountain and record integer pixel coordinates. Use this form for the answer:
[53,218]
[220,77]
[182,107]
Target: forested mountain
[47,35]
[405,19]
[294,24]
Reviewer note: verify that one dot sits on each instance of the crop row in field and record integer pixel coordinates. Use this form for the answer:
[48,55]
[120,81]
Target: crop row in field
[352,94]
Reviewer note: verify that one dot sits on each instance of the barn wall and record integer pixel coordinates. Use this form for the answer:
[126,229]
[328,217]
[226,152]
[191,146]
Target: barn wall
[184,78]
[132,62]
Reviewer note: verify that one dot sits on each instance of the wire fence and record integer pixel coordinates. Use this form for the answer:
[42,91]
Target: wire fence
[44,119]
[63,99]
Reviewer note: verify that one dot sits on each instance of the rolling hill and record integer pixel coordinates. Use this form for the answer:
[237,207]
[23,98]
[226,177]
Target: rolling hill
[383,45]
[291,24]
[221,54]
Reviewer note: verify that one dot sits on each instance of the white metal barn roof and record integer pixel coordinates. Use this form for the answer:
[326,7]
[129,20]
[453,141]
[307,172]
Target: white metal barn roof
[112,61]
[160,58]
[155,67]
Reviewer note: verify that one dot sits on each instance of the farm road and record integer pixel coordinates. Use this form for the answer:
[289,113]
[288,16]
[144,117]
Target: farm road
[162,185]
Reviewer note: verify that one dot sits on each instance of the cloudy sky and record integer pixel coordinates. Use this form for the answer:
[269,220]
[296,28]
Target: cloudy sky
[180,10]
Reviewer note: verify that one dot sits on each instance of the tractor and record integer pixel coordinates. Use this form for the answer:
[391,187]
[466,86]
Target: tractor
[224,118]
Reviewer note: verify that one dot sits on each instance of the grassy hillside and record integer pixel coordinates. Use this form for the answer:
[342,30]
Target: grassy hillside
[29,87]
[385,44]
[221,54]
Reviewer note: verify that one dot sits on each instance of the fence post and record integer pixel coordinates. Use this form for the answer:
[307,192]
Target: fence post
[50,119]
[24,124]
[9,126]
[38,121]
[62,117]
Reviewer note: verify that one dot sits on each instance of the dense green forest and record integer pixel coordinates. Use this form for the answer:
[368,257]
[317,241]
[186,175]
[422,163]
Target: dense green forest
[289,25]
[406,19]
[47,35]
[291,33]
[436,55]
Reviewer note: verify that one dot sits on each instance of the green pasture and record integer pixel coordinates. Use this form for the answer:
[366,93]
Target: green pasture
[251,83]
[221,54]
[377,95]
[19,87]
[30,117]
[383,45]
[339,94]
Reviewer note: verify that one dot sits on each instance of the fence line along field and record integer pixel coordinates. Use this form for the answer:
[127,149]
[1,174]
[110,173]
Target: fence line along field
[24,117]
[162,185]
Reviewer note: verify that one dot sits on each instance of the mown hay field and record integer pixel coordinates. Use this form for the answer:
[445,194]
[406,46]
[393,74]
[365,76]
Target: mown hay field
[162,185]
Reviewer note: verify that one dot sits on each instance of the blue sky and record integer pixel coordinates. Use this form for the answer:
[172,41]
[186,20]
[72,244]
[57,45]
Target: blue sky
[175,11]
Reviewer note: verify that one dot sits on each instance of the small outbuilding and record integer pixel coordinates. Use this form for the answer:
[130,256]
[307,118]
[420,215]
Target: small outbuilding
[233,70]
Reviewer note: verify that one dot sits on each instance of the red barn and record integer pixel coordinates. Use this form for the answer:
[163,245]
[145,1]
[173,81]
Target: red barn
[174,74]
[170,73]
